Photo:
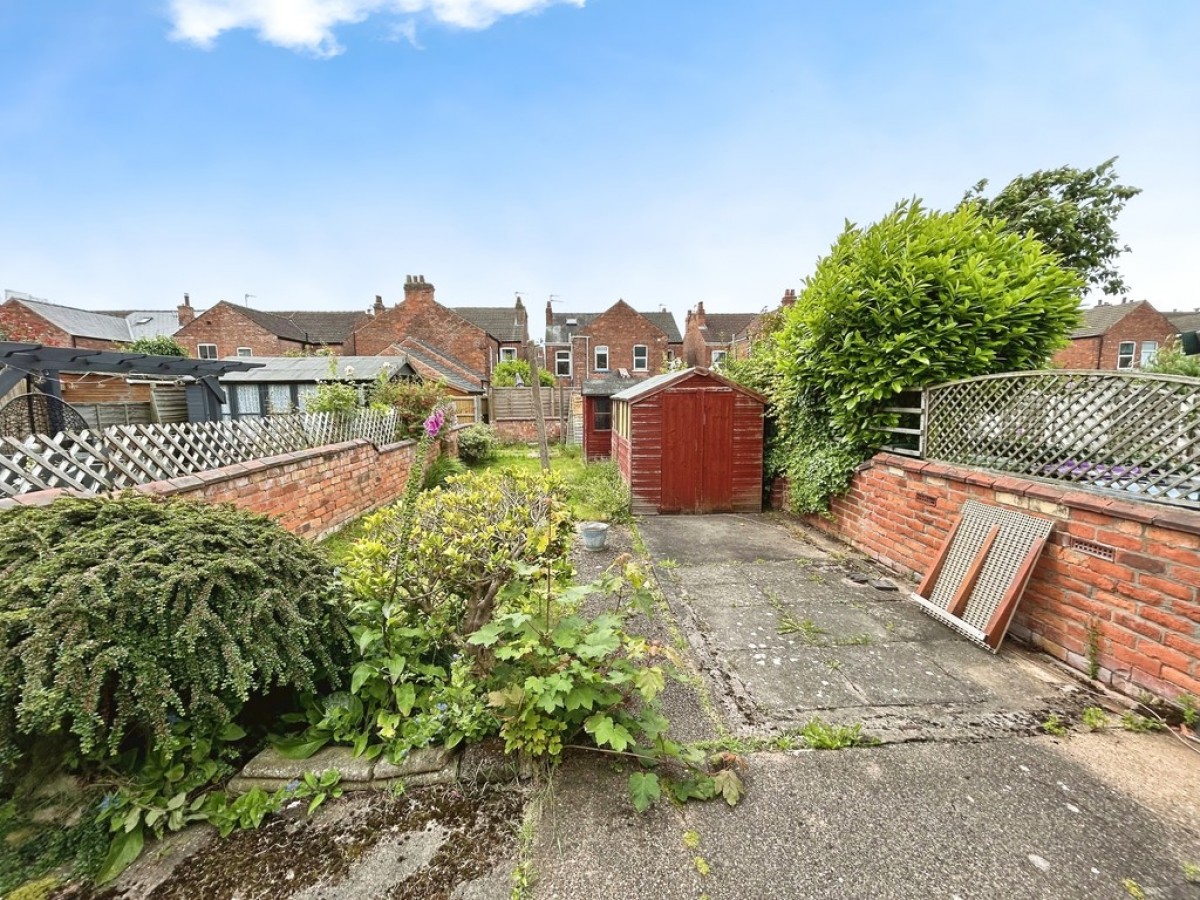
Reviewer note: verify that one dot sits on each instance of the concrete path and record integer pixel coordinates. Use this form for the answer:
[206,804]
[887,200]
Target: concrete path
[962,797]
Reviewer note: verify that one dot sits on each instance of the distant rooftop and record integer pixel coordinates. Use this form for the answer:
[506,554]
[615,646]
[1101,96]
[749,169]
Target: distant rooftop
[106,325]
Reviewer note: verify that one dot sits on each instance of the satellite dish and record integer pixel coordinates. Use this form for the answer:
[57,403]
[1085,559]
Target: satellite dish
[35,413]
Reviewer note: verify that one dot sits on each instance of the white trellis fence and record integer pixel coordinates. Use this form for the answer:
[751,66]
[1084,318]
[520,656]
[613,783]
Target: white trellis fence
[122,456]
[1124,432]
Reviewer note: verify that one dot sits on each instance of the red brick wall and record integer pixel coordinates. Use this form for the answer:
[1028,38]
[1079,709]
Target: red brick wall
[423,318]
[1083,353]
[518,431]
[229,329]
[21,323]
[1143,604]
[310,492]
[619,328]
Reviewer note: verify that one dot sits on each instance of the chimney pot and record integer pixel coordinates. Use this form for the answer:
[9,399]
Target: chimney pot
[378,304]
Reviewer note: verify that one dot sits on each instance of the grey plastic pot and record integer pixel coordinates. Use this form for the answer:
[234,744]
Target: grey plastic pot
[594,535]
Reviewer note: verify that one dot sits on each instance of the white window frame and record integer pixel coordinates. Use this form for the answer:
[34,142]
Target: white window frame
[600,348]
[717,357]
[645,366]
[200,351]
[508,354]
[561,356]
[1148,349]
[1125,356]
[245,351]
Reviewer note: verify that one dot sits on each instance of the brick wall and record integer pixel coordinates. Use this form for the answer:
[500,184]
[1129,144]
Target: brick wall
[619,328]
[423,318]
[525,430]
[310,492]
[1142,605]
[1083,353]
[21,323]
[229,329]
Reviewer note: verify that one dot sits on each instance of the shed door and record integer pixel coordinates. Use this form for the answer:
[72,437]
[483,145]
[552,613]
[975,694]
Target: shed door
[697,452]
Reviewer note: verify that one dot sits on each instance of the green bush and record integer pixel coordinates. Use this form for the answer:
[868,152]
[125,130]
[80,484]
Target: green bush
[505,374]
[121,616]
[442,469]
[157,346]
[412,401]
[1170,360]
[602,494]
[916,299]
[476,444]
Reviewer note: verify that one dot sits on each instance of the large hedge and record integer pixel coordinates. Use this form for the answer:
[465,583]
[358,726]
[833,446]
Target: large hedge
[120,616]
[918,298]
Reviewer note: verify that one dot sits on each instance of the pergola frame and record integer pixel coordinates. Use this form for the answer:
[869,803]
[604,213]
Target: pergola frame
[19,361]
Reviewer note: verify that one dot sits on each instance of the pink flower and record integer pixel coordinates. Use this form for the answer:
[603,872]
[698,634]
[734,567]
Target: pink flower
[435,422]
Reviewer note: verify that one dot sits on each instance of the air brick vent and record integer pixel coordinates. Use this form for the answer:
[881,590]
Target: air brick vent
[1097,550]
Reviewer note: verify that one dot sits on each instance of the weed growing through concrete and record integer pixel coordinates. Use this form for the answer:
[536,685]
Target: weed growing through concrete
[833,664]
[1095,719]
[1138,724]
[1191,873]
[1189,709]
[667,564]
[822,736]
[1133,889]
[1093,649]
[1054,725]
[701,866]
[691,840]
[855,640]
[806,628]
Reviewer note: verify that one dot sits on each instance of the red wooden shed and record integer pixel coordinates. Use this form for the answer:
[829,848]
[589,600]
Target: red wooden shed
[690,442]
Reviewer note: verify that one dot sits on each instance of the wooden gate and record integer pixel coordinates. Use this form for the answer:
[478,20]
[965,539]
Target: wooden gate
[697,450]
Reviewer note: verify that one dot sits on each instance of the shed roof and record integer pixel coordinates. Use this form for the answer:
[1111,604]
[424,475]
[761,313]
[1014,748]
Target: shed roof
[607,387]
[300,369]
[662,382]
[441,366]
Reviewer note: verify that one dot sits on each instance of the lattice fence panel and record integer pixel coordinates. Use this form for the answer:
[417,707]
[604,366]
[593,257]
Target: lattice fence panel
[126,455]
[1129,433]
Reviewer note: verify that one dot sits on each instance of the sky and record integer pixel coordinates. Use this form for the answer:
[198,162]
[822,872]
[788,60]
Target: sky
[309,154]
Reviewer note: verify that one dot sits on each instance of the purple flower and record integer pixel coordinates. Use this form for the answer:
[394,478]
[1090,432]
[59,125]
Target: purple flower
[435,422]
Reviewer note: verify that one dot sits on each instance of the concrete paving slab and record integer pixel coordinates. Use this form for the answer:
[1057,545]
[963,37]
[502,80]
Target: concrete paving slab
[899,674]
[692,540]
[786,688]
[904,821]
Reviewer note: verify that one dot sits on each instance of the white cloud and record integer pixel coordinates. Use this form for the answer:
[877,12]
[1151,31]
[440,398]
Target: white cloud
[309,24]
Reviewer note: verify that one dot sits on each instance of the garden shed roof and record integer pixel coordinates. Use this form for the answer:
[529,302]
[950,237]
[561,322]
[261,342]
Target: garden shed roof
[662,382]
[301,369]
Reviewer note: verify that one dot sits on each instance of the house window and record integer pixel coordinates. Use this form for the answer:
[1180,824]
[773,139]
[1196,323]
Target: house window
[718,356]
[602,414]
[562,363]
[1149,348]
[507,354]
[206,351]
[245,351]
[602,358]
[1125,352]
[641,358]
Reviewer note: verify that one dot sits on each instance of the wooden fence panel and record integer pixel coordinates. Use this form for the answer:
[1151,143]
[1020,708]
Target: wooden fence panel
[517,403]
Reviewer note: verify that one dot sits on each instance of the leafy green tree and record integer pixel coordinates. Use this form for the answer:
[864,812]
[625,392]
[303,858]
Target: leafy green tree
[157,346]
[918,298]
[1072,212]
[1170,360]
[505,374]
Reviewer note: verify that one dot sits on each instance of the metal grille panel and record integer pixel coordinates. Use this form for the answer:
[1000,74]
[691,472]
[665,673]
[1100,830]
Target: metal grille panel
[1019,533]
[1133,434]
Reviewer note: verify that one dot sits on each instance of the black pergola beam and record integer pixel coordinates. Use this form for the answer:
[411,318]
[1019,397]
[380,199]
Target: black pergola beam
[24,359]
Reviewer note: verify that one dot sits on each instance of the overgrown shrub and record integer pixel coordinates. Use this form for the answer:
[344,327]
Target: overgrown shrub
[476,444]
[412,401]
[1170,359]
[918,298]
[602,493]
[120,616]
[157,346]
[506,372]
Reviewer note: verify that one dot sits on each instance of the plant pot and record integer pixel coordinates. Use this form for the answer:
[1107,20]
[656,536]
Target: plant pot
[594,534]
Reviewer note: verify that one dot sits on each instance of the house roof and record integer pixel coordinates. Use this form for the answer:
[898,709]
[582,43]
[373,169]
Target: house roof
[1184,321]
[722,328]
[304,326]
[81,322]
[500,322]
[560,331]
[1099,320]
[661,382]
[281,369]
[441,366]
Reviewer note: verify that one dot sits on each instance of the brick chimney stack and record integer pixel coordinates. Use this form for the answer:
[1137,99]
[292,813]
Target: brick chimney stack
[549,314]
[700,322]
[789,297]
[378,307]
[184,311]
[416,288]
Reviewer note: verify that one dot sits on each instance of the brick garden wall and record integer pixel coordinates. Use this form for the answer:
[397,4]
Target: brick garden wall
[1141,606]
[310,492]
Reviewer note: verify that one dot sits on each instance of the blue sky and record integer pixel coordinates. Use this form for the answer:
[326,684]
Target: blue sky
[314,152]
